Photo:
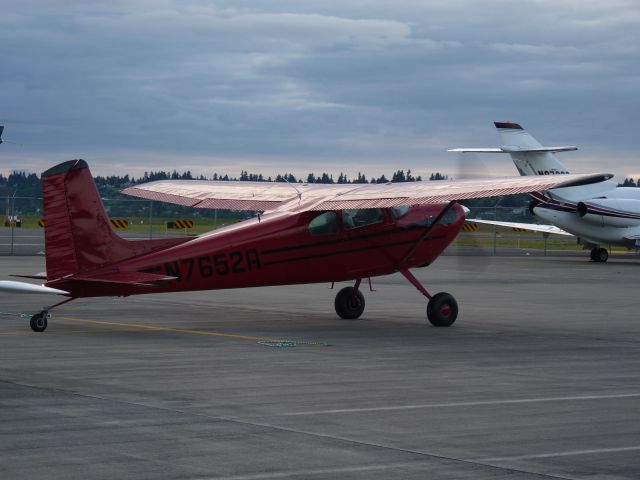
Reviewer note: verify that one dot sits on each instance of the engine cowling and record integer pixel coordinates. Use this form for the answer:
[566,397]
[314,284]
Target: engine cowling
[611,212]
[532,205]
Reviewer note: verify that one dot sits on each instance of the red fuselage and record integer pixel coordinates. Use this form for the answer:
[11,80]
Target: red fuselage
[283,249]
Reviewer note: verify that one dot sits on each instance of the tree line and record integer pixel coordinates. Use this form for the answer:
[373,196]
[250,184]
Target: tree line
[28,184]
[28,190]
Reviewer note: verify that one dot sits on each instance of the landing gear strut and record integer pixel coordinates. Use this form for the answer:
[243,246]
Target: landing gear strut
[442,309]
[40,321]
[599,254]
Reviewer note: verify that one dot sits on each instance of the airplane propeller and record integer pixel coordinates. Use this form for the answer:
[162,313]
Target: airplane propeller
[470,166]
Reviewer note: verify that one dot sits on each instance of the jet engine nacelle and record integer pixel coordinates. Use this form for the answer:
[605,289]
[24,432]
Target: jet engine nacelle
[610,212]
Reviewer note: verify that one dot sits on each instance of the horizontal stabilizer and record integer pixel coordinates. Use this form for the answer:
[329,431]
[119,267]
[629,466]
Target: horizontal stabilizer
[125,278]
[37,276]
[514,149]
[23,287]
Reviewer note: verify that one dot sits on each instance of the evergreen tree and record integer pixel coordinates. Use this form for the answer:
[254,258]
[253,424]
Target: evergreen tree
[361,179]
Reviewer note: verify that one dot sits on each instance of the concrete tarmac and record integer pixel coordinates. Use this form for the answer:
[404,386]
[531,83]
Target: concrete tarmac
[539,378]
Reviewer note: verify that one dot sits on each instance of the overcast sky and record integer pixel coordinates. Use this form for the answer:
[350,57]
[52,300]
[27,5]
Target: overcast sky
[295,86]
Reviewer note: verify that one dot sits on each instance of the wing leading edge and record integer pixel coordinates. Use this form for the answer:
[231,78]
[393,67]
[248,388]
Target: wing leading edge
[264,196]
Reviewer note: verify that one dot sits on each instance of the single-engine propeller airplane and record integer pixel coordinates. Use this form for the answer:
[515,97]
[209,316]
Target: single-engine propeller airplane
[309,233]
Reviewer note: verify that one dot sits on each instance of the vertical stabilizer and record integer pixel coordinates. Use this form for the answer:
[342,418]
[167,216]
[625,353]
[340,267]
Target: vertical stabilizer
[78,234]
[529,156]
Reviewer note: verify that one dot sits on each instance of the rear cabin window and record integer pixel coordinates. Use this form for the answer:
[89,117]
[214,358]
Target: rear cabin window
[324,224]
[361,217]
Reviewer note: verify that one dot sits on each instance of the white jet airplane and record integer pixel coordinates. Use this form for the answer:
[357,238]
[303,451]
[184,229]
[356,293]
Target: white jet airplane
[598,214]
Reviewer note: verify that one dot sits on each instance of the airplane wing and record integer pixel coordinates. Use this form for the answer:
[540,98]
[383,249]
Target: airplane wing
[270,196]
[522,226]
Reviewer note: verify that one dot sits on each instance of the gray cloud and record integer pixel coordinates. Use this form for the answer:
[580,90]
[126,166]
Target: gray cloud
[350,85]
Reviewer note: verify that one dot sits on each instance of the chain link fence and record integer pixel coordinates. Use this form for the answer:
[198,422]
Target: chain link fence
[495,240]
[22,232]
[22,229]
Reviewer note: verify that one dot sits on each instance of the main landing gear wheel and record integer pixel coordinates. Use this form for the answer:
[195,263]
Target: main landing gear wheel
[348,305]
[442,310]
[599,255]
[39,321]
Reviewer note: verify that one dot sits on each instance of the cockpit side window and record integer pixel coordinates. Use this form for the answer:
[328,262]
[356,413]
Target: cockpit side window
[361,217]
[324,224]
[400,211]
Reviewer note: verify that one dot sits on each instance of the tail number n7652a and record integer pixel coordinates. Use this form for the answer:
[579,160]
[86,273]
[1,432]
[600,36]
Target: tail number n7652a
[214,264]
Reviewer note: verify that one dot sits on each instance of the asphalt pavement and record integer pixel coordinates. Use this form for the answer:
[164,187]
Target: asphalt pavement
[538,379]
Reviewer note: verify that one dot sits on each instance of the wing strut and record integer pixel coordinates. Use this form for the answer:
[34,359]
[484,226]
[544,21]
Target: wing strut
[426,232]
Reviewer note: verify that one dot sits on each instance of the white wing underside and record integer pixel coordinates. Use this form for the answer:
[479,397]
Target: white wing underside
[524,226]
[267,196]
[514,149]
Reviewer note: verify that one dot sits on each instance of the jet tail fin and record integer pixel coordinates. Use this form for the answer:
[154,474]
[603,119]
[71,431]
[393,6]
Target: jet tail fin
[528,155]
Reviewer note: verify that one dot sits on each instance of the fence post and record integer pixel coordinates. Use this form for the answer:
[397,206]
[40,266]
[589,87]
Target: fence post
[12,224]
[150,219]
[546,238]
[495,227]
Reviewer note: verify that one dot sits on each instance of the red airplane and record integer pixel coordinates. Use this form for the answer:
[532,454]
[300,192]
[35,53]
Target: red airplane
[309,233]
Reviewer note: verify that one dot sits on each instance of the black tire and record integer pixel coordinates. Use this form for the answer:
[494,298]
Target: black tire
[442,310]
[348,305]
[39,322]
[599,255]
[602,255]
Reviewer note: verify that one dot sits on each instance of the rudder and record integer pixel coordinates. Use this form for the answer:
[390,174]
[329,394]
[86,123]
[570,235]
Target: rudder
[78,234]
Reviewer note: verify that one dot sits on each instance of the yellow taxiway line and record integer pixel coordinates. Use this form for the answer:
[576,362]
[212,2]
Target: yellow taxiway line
[171,329]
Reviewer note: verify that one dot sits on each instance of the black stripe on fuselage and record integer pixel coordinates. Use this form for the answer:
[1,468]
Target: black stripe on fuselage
[349,250]
[592,210]
[337,241]
[557,207]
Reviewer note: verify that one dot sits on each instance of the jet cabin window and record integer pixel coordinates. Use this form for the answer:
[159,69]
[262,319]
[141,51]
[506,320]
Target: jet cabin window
[361,217]
[324,224]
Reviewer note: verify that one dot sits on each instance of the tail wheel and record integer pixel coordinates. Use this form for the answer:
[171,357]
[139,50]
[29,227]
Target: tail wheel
[39,321]
[349,305]
[442,310]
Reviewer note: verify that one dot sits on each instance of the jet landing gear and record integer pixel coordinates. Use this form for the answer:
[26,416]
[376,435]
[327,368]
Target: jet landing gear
[40,321]
[442,309]
[599,254]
